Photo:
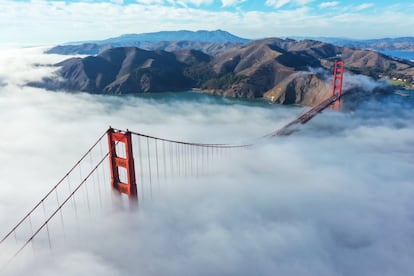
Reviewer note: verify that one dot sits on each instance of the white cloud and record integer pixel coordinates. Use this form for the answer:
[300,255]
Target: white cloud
[309,204]
[364,6]
[303,2]
[325,5]
[280,3]
[40,23]
[277,3]
[229,3]
[119,2]
[151,2]
[192,2]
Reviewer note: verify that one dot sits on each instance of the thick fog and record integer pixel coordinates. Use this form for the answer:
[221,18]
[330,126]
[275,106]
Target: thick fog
[335,198]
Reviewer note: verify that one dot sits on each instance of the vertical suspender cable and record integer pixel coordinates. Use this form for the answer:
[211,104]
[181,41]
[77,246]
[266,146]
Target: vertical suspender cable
[149,166]
[156,160]
[141,167]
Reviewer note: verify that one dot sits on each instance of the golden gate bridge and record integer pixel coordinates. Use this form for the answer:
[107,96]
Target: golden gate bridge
[135,166]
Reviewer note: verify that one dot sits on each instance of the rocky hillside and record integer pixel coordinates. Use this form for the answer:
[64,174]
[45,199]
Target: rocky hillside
[262,65]
[125,70]
[284,71]
[280,70]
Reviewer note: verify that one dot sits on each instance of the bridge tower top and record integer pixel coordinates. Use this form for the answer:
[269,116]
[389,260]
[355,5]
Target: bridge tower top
[338,77]
[337,84]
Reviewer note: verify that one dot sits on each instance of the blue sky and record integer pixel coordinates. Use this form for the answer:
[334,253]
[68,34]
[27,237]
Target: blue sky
[40,22]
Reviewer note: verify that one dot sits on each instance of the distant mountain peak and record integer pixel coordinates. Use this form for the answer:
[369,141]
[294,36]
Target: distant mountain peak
[211,42]
[200,36]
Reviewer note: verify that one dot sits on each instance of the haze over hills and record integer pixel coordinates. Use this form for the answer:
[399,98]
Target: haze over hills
[276,69]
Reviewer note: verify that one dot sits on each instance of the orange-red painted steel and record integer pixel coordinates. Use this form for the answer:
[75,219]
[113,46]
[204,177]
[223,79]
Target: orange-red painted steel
[338,76]
[337,83]
[127,162]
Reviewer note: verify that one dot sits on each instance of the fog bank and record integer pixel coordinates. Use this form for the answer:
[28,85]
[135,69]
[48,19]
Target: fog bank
[335,198]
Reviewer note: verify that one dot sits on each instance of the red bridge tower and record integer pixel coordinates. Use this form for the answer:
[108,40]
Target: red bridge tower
[337,83]
[123,161]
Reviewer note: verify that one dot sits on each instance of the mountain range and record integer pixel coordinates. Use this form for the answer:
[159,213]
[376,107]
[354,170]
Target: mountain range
[213,42]
[210,42]
[284,71]
[381,44]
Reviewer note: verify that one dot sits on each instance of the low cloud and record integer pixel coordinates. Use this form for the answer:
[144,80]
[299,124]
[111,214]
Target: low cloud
[362,82]
[333,199]
[354,82]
